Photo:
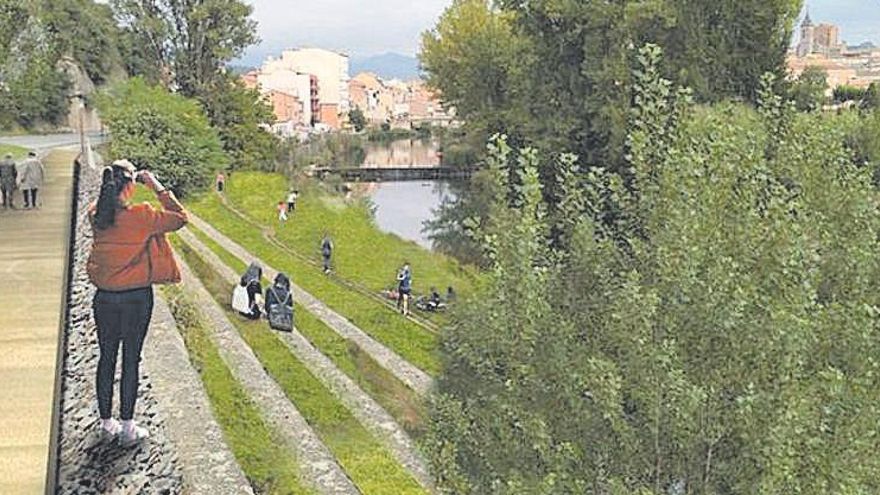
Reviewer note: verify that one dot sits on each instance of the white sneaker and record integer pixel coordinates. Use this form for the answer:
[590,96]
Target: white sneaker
[133,437]
[107,434]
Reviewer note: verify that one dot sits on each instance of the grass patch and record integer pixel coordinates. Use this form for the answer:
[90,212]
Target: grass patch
[363,253]
[400,401]
[367,462]
[17,151]
[270,468]
[412,342]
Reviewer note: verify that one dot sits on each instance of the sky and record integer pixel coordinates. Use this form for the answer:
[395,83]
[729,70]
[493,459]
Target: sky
[357,27]
[372,27]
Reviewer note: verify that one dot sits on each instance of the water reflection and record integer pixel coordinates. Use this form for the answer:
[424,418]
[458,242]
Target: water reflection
[403,153]
[402,208]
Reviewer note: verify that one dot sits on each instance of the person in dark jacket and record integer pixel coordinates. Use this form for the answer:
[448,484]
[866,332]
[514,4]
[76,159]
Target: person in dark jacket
[326,251]
[8,178]
[279,304]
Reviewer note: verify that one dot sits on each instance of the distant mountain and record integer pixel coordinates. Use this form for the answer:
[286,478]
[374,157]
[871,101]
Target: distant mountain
[387,66]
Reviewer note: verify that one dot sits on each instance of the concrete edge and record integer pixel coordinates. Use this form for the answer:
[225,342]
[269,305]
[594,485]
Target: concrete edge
[208,465]
[52,464]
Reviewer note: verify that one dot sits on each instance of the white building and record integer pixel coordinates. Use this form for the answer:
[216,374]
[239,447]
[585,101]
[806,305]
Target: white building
[274,77]
[331,68]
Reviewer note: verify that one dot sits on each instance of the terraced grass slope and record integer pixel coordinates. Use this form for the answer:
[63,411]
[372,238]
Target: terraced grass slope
[363,253]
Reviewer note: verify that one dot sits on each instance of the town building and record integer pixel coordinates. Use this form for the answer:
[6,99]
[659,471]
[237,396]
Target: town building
[330,70]
[820,46]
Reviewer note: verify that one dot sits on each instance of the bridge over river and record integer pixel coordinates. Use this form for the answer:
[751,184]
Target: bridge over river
[369,173]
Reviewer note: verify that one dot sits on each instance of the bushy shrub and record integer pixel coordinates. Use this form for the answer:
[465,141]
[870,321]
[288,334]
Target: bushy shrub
[163,132]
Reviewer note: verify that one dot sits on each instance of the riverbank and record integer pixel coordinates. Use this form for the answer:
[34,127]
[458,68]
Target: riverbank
[363,253]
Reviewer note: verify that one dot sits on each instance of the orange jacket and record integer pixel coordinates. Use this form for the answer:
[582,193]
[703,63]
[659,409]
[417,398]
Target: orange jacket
[119,259]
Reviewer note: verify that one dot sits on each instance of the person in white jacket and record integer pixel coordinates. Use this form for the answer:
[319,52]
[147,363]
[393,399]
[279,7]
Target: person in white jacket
[31,175]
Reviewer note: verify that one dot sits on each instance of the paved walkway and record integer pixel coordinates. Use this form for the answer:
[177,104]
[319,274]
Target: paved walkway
[33,252]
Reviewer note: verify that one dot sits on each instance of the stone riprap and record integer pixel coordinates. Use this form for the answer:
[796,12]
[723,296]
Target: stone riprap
[87,465]
[367,411]
[410,375]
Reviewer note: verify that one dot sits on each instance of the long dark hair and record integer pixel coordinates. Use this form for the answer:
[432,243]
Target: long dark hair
[114,180]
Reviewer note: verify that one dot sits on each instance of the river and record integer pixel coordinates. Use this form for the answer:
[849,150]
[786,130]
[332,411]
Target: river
[402,208]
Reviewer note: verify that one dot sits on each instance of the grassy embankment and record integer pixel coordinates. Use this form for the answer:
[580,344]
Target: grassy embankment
[367,462]
[17,151]
[408,339]
[270,468]
[399,400]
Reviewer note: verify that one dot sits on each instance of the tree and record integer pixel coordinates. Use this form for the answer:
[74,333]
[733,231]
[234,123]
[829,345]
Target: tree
[238,114]
[357,119]
[719,336]
[471,56]
[808,91]
[163,132]
[191,39]
[86,32]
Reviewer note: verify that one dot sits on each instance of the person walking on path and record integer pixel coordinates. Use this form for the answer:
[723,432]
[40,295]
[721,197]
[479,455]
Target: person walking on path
[129,255]
[221,182]
[8,178]
[282,211]
[404,288]
[31,177]
[291,200]
[326,251]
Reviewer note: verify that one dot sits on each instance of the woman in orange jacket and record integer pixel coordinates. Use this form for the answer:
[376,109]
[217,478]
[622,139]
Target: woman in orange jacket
[128,256]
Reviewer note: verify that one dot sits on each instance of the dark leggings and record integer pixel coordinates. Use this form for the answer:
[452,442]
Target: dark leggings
[33,197]
[121,317]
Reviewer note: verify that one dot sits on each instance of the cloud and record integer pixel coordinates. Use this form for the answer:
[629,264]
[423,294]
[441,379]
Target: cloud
[357,27]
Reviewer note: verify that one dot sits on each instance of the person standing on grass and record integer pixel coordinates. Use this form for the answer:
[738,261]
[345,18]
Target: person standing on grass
[404,288]
[221,182]
[282,211]
[129,255]
[8,178]
[31,178]
[291,200]
[326,251]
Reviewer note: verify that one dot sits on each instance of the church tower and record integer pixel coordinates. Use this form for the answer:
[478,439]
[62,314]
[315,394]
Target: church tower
[808,37]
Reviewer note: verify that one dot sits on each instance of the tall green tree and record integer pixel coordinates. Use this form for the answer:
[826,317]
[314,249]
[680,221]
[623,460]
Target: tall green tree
[86,32]
[718,337]
[190,39]
[238,113]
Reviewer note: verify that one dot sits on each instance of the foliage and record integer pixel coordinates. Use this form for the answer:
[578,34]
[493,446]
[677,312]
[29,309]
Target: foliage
[326,151]
[385,134]
[84,31]
[472,56]
[192,40]
[237,114]
[843,94]
[163,132]
[717,335]
[808,91]
[357,119]
[32,91]
[556,73]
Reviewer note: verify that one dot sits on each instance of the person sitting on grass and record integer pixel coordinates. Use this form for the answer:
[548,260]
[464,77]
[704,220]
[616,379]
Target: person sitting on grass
[247,294]
[279,304]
